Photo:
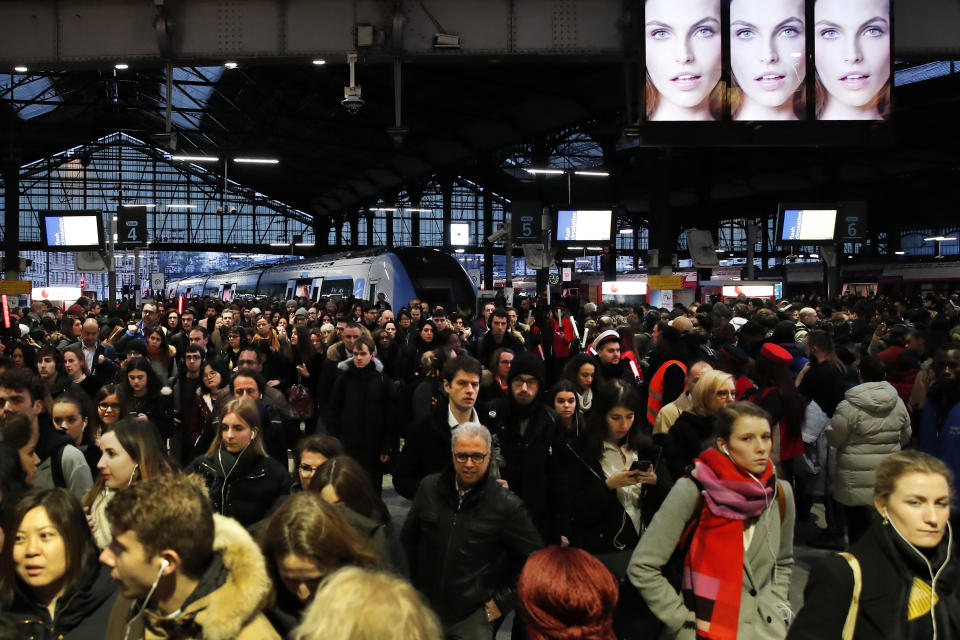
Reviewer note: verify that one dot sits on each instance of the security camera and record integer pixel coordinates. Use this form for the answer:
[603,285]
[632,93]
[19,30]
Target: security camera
[502,234]
[352,101]
[232,210]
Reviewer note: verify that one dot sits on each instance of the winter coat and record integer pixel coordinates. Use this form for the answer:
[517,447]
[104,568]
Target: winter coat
[533,463]
[890,570]
[465,550]
[689,435]
[226,605]
[940,434]
[359,411]
[81,613]
[600,524]
[768,564]
[869,424]
[426,450]
[249,491]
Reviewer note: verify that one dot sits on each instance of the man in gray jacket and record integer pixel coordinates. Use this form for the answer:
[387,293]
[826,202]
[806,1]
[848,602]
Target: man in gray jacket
[869,424]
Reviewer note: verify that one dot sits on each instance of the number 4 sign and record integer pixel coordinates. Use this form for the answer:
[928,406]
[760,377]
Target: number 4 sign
[132,227]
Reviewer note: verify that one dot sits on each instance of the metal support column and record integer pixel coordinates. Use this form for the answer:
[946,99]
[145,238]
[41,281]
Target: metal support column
[11,206]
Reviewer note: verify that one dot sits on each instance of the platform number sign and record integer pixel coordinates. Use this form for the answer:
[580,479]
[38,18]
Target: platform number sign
[526,218]
[852,221]
[132,228]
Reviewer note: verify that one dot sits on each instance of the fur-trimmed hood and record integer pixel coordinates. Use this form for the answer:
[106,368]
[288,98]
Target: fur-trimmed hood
[228,600]
[346,365]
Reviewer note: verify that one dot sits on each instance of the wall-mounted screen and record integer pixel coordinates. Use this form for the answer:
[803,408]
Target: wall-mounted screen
[852,47]
[71,231]
[459,234]
[816,223]
[768,59]
[583,225]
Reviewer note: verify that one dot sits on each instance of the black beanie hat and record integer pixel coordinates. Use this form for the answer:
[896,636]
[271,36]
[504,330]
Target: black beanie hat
[527,364]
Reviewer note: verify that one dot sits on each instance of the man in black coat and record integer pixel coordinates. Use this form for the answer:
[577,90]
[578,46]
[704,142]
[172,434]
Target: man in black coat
[529,444]
[360,408]
[496,338]
[467,538]
[427,446]
[101,357]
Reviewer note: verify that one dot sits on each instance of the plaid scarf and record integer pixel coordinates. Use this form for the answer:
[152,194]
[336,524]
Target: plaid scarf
[713,566]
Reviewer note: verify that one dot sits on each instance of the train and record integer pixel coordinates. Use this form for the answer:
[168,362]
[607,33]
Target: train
[400,273]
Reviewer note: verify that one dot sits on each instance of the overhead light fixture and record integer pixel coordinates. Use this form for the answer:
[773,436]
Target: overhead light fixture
[548,172]
[231,65]
[280,244]
[815,256]
[459,250]
[319,62]
[121,66]
[181,206]
[417,210]
[195,158]
[900,253]
[20,69]
[132,205]
[382,209]
[718,250]
[304,244]
[938,239]
[568,261]
[594,248]
[626,232]
[446,41]
[257,160]
[595,174]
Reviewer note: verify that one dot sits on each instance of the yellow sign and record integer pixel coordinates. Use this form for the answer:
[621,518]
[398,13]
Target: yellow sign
[11,287]
[665,283]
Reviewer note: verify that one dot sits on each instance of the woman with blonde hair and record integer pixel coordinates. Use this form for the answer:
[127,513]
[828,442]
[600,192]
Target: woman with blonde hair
[244,482]
[898,581]
[694,429]
[368,606]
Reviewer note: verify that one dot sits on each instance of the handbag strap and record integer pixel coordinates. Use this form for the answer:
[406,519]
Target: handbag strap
[851,622]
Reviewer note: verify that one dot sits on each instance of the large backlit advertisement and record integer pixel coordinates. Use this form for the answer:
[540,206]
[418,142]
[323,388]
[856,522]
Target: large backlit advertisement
[766,60]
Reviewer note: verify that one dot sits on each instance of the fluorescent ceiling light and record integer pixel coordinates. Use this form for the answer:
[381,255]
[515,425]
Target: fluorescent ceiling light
[459,250]
[595,174]
[230,65]
[382,209]
[626,232]
[550,172]
[257,160]
[319,62]
[134,205]
[20,69]
[594,248]
[938,239]
[814,255]
[718,250]
[568,261]
[122,66]
[900,253]
[181,206]
[417,210]
[196,158]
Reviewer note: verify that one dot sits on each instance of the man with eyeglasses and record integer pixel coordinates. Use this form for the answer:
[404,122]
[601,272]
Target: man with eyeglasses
[467,538]
[137,332]
[251,359]
[530,443]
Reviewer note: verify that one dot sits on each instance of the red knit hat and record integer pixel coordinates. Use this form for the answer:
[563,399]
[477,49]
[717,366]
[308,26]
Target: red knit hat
[775,353]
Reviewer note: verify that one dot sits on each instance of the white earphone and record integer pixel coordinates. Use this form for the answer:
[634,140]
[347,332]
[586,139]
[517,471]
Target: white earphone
[164,564]
[724,449]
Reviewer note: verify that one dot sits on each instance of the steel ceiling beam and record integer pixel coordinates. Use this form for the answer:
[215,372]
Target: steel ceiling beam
[84,32]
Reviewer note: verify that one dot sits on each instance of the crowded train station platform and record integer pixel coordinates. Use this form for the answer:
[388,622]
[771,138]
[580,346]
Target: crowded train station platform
[546,320]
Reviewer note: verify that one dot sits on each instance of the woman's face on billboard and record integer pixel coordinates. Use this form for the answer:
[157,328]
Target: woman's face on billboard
[683,56]
[852,52]
[767,54]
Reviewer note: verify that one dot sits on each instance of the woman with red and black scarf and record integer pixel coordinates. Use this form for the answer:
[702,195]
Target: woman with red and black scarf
[729,525]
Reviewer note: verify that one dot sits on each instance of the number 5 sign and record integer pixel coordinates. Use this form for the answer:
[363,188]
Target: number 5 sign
[526,218]
[132,227]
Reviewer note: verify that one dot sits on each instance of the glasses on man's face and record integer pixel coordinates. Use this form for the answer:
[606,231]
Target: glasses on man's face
[308,469]
[192,356]
[519,383]
[108,406]
[476,458]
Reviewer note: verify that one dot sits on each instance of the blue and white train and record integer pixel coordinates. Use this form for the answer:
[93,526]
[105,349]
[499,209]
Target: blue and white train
[400,273]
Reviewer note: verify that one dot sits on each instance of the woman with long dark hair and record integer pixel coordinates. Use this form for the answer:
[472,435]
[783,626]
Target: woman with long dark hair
[161,356]
[617,482]
[562,398]
[581,370]
[71,414]
[143,394]
[50,579]
[130,452]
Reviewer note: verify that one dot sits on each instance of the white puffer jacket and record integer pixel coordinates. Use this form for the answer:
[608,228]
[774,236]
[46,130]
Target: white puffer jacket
[869,424]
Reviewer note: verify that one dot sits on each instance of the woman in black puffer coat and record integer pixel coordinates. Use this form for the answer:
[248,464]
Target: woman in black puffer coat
[244,482]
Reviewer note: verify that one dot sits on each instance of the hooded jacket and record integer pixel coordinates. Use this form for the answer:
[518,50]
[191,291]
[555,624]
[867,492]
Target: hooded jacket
[869,424]
[359,409]
[82,612]
[226,605]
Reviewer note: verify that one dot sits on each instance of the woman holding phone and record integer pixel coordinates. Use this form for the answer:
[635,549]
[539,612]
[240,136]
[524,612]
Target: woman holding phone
[683,60]
[617,483]
[768,59]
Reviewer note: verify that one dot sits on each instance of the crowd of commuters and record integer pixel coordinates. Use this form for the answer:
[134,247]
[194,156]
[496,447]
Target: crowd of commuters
[218,472]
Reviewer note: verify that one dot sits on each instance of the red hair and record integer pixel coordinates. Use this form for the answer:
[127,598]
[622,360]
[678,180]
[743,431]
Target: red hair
[566,594]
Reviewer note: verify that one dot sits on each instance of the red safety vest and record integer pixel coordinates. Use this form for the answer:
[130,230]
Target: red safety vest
[655,396]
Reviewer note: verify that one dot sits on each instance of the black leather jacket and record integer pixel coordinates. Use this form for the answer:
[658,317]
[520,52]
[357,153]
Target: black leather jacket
[465,550]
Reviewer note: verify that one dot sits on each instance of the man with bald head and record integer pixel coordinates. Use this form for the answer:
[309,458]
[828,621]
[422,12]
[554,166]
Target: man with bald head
[672,410]
[101,357]
[807,320]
